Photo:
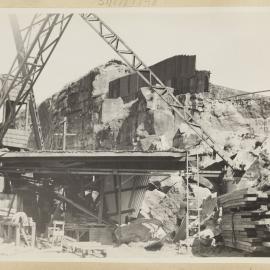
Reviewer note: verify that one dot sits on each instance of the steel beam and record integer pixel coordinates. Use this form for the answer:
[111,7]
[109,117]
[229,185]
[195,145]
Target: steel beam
[150,78]
[32,103]
[50,29]
[76,171]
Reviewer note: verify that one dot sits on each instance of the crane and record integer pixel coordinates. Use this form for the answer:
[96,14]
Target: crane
[34,50]
[25,70]
[48,23]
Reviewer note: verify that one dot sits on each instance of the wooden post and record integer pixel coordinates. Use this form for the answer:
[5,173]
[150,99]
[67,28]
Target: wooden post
[27,115]
[116,191]
[33,234]
[101,201]
[118,203]
[132,194]
[81,208]
[11,204]
[78,235]
[64,133]
[119,200]
[187,197]
[18,234]
[19,203]
[9,232]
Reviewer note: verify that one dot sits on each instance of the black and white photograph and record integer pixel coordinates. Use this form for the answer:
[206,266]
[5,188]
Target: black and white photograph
[134,134]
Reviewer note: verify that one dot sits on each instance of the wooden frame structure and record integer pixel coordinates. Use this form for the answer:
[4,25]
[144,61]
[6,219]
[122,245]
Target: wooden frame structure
[129,171]
[123,177]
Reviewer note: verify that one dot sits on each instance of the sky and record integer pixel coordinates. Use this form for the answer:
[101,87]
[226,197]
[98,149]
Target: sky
[233,43]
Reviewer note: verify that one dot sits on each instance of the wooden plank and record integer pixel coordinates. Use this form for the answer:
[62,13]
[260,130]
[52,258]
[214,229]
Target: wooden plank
[16,139]
[238,197]
[122,212]
[238,227]
[244,247]
[33,234]
[128,179]
[243,239]
[132,194]
[81,208]
[265,221]
[152,156]
[245,199]
[11,204]
[247,233]
[116,192]
[18,235]
[126,189]
[119,184]
[235,224]
[101,204]
[15,143]
[77,171]
[266,244]
[238,204]
[238,192]
[24,236]
[240,214]
[237,218]
[18,132]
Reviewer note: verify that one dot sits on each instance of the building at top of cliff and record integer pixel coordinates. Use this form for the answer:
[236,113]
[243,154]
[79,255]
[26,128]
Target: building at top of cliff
[178,72]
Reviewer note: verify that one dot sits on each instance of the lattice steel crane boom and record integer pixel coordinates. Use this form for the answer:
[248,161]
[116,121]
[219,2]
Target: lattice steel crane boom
[25,70]
[39,42]
[148,76]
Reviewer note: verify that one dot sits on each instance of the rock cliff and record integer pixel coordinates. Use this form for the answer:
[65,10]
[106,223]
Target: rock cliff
[97,122]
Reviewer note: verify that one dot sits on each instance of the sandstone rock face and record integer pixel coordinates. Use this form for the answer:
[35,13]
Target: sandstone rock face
[147,123]
[81,102]
[112,109]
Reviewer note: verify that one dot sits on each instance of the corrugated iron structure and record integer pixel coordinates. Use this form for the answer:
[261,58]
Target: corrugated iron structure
[178,72]
[133,189]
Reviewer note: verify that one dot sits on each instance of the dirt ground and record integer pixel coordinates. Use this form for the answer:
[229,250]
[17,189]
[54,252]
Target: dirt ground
[133,252]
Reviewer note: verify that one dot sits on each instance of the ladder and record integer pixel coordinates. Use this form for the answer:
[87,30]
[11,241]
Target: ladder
[193,206]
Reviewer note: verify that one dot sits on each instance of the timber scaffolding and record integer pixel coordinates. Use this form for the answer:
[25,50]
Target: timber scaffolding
[122,178]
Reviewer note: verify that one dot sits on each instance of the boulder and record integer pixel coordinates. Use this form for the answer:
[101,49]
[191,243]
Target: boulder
[139,231]
[133,233]
[167,208]
[209,207]
[112,109]
[200,193]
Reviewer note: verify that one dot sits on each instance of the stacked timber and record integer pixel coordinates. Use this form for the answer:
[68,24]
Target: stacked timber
[246,220]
